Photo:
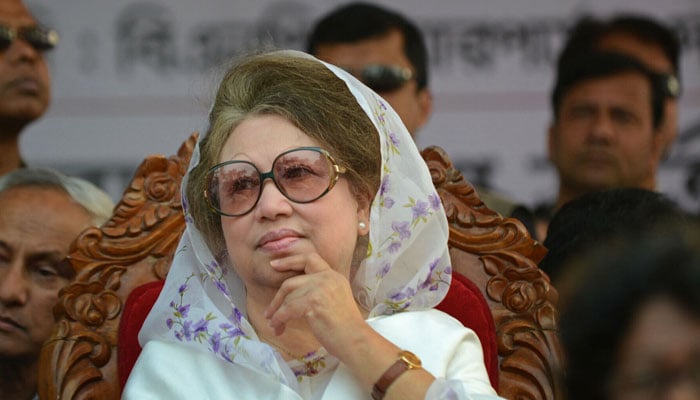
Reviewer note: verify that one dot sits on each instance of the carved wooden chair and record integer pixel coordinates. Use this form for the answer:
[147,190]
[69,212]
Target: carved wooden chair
[136,246]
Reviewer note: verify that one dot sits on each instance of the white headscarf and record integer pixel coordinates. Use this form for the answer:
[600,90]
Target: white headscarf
[408,267]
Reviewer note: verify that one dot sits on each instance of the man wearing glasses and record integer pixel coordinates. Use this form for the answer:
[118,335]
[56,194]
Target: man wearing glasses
[24,77]
[387,53]
[655,46]
[382,49]
[649,41]
[608,111]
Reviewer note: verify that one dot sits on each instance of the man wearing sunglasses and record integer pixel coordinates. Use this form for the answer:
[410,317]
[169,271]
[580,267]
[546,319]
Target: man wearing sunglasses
[646,39]
[24,77]
[654,45]
[387,52]
[608,111]
[382,49]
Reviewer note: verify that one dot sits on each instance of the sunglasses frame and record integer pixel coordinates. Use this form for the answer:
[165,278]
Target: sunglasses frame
[336,171]
[29,34]
[370,73]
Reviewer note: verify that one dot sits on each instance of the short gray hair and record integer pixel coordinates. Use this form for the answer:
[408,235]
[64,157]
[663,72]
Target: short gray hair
[93,199]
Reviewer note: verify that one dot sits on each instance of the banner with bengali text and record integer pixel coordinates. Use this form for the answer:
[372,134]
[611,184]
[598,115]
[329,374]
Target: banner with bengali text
[132,78]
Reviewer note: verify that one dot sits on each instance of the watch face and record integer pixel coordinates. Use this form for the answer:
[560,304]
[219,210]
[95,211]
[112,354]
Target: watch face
[412,361]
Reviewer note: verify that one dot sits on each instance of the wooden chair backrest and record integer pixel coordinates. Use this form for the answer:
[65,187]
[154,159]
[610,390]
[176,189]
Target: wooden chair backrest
[136,246]
[500,257]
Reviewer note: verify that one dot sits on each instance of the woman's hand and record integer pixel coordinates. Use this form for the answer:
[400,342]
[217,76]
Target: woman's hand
[323,298]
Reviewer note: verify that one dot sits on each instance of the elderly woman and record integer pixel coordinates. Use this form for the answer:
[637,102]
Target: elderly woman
[319,282]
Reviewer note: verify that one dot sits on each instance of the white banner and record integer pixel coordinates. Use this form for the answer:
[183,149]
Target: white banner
[132,78]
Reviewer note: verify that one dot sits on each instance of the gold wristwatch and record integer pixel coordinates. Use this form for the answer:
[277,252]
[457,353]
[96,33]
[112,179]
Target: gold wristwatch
[405,362]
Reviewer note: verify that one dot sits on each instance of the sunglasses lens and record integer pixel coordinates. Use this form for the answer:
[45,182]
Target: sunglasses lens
[233,188]
[39,38]
[303,175]
[385,78]
[5,37]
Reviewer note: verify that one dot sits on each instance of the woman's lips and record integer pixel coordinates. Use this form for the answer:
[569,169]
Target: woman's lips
[280,244]
[278,240]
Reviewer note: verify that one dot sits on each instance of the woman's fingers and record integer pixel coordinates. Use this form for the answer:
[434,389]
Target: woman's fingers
[309,264]
[316,296]
[294,300]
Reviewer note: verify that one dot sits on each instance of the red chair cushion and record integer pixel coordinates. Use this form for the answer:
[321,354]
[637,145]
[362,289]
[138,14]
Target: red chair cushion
[136,308]
[464,302]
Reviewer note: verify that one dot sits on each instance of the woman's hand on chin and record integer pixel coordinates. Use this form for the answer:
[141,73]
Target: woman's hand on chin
[323,298]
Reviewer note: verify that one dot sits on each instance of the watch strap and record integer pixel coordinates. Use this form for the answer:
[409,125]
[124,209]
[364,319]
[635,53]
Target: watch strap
[392,374]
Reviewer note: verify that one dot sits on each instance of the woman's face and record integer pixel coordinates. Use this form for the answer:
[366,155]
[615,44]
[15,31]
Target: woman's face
[278,227]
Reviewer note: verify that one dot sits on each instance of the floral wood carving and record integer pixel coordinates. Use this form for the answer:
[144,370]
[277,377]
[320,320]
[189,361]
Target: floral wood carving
[521,298]
[79,360]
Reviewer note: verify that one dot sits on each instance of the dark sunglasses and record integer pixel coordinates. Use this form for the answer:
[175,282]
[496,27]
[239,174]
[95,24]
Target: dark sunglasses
[383,78]
[41,39]
[302,175]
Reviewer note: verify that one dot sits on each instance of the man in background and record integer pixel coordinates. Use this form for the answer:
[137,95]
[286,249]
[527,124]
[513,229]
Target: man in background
[644,38]
[606,132]
[24,77]
[387,52]
[41,213]
[650,43]
[384,50]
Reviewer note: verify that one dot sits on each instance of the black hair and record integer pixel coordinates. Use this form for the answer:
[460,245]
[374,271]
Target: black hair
[592,217]
[588,31]
[358,21]
[600,64]
[621,277]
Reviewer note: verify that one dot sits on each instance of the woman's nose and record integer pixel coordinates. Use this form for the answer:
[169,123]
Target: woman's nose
[272,202]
